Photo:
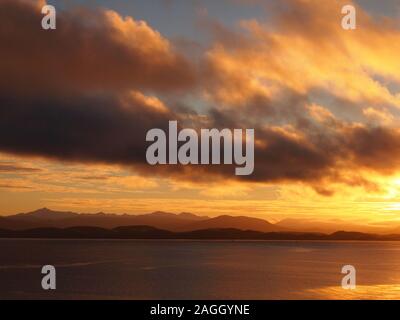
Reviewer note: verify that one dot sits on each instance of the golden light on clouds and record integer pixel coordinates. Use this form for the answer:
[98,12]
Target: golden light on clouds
[323,102]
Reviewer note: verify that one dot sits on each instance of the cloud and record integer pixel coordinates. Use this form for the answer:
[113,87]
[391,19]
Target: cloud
[90,50]
[97,128]
[77,93]
[11,168]
[305,48]
[89,91]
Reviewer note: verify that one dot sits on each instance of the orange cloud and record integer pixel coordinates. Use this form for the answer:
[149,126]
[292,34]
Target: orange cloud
[90,50]
[307,49]
[92,90]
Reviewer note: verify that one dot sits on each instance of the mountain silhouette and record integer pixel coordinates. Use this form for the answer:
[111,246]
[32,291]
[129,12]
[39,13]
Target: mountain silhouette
[44,214]
[332,225]
[46,218]
[184,222]
[147,232]
[234,222]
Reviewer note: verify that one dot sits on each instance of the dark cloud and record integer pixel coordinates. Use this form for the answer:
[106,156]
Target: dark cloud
[90,50]
[375,148]
[79,128]
[10,168]
[75,94]
[316,152]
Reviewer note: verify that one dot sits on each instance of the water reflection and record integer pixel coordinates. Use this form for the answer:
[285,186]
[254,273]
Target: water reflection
[363,292]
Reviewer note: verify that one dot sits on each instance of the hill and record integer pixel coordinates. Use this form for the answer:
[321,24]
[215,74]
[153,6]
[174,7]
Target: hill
[234,222]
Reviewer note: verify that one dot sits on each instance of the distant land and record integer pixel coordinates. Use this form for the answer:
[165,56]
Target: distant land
[45,218]
[147,232]
[45,223]
[182,222]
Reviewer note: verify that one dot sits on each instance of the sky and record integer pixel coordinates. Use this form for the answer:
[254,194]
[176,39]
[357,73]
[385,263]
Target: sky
[76,103]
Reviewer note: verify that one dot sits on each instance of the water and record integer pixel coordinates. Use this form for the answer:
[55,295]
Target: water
[134,269]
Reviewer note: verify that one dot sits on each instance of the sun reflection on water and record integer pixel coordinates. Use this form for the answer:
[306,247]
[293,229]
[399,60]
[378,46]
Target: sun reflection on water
[361,292]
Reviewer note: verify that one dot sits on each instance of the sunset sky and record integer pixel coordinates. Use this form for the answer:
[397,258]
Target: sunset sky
[76,103]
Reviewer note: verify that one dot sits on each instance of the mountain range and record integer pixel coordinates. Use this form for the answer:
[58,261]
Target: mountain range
[182,222]
[147,232]
[45,218]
